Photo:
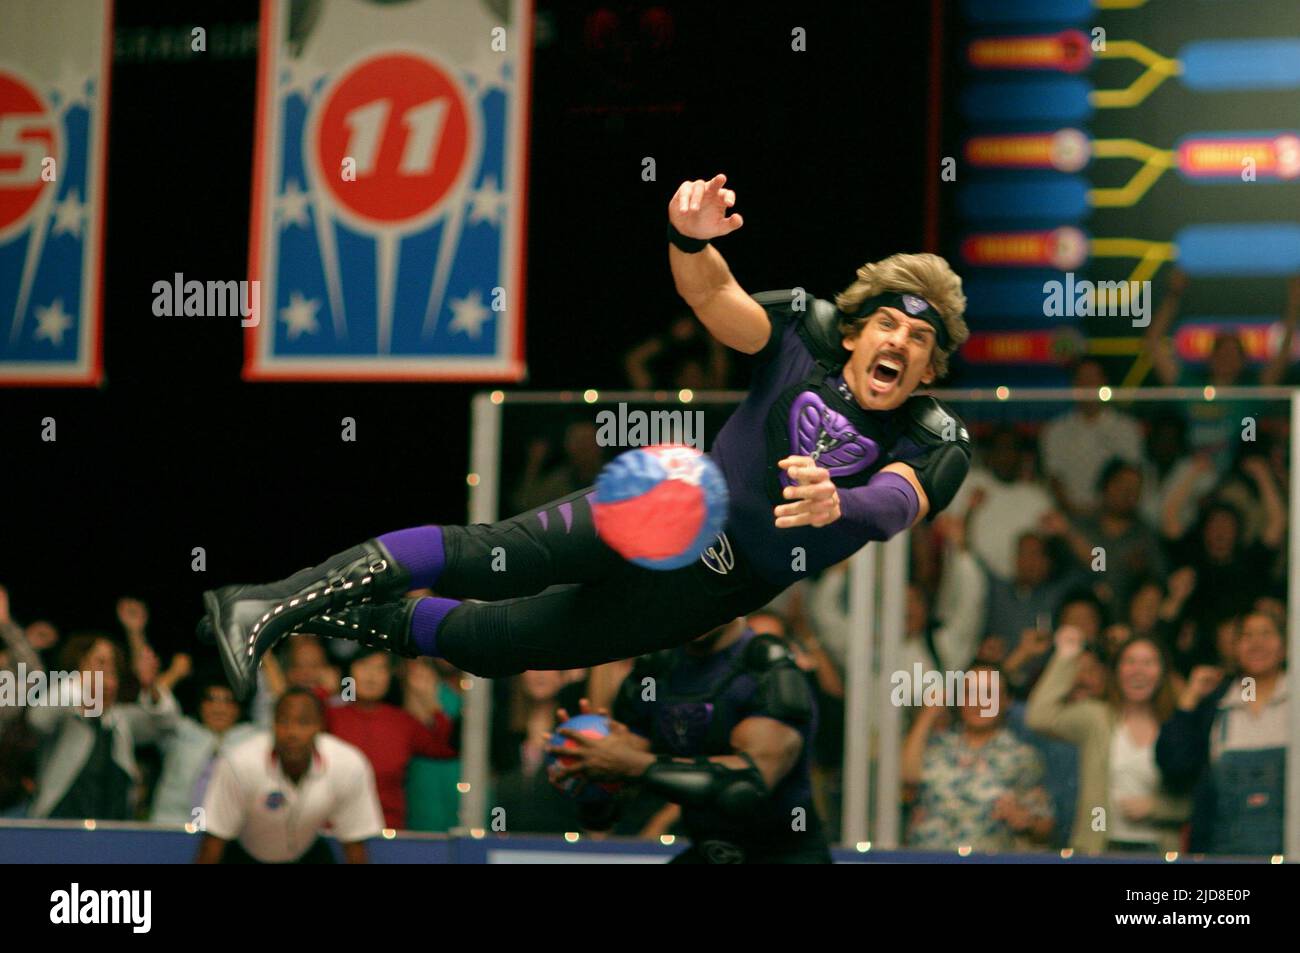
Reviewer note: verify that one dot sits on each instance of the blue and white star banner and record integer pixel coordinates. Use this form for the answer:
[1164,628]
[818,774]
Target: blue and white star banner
[389,190]
[54,63]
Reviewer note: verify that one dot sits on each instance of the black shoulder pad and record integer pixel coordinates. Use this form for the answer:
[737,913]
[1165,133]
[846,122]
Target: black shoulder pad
[821,332]
[783,691]
[786,695]
[765,652]
[931,423]
[781,300]
[945,458]
[817,320]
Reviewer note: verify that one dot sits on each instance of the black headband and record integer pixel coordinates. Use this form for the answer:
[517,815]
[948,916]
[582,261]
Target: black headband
[913,306]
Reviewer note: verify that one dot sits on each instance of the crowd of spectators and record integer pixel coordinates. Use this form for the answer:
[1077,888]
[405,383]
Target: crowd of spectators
[1121,579]
[111,741]
[1124,578]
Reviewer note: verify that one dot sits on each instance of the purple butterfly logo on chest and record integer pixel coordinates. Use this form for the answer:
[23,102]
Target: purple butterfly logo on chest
[684,727]
[828,437]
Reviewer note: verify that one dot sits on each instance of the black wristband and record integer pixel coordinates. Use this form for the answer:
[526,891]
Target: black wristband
[685,242]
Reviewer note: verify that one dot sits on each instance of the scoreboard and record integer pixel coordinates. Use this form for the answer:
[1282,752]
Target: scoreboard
[1092,146]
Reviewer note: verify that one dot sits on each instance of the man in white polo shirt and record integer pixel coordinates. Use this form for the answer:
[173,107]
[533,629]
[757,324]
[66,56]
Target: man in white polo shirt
[268,803]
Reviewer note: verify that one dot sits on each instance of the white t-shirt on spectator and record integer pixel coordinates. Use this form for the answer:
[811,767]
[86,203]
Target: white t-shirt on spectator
[1075,449]
[1133,774]
[251,800]
[1009,510]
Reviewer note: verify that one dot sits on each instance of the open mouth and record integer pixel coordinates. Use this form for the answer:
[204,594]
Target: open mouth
[885,373]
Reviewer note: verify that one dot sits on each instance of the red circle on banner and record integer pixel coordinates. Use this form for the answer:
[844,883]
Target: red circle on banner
[404,124]
[28,134]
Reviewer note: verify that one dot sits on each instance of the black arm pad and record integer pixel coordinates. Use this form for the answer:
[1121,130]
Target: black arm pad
[705,783]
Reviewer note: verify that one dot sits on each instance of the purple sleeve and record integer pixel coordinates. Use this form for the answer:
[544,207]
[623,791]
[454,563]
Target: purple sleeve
[885,506]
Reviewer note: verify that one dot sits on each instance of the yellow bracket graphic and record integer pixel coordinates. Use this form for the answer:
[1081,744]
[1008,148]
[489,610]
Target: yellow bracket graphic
[1118,4]
[1114,347]
[1150,256]
[1138,372]
[1158,69]
[1154,163]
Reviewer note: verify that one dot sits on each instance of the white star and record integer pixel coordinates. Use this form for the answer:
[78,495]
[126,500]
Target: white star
[291,206]
[300,316]
[301,76]
[469,314]
[70,88]
[69,215]
[51,322]
[487,202]
[488,73]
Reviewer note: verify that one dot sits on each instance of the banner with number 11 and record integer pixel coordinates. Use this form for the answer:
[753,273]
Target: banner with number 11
[389,191]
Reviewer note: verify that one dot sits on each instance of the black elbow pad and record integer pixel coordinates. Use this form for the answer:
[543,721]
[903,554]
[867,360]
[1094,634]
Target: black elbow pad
[703,783]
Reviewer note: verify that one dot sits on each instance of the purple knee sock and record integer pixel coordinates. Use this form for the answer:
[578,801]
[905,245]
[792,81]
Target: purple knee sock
[420,552]
[429,613]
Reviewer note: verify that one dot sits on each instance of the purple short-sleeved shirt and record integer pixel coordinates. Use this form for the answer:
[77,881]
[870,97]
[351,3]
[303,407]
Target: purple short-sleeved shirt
[741,451]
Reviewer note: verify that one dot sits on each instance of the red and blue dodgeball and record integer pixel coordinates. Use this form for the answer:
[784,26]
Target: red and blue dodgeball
[660,507]
[589,726]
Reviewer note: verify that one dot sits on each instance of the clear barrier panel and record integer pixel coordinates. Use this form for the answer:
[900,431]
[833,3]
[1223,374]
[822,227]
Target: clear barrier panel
[1092,653]
[1035,669]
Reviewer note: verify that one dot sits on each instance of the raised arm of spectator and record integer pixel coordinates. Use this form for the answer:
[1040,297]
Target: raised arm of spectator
[917,740]
[276,681]
[1171,520]
[177,672]
[15,640]
[431,738]
[636,363]
[1048,710]
[155,713]
[134,616]
[1159,347]
[1057,524]
[1273,532]
[1276,369]
[1183,745]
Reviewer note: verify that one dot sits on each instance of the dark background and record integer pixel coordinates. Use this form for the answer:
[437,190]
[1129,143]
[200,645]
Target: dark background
[826,150]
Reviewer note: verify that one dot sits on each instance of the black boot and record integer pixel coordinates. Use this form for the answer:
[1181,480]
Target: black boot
[386,626]
[246,621]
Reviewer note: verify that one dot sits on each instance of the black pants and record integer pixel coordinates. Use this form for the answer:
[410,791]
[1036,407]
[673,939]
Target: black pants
[561,598]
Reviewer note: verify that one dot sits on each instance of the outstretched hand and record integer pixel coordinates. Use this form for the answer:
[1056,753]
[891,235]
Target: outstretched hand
[817,499]
[699,209]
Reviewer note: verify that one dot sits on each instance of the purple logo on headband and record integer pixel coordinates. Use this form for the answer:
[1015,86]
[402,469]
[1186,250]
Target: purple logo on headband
[914,304]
